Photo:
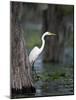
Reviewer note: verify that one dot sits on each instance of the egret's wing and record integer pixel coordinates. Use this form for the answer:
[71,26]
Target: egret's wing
[34,54]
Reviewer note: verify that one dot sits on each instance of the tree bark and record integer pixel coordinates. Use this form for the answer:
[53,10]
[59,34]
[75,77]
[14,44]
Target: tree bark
[21,72]
[54,47]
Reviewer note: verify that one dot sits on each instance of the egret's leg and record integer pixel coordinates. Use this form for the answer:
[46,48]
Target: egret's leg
[34,71]
[33,67]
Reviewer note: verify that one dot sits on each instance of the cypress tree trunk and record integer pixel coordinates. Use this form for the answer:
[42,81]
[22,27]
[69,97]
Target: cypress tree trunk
[54,47]
[21,72]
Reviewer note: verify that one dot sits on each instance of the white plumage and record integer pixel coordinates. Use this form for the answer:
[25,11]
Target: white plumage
[35,52]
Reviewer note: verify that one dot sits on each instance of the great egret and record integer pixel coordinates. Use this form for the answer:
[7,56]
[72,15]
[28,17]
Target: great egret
[35,52]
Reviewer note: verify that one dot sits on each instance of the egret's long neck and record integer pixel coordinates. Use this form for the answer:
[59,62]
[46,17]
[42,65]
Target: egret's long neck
[43,42]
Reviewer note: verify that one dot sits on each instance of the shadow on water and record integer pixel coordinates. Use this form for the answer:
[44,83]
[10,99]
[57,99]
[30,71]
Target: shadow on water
[53,79]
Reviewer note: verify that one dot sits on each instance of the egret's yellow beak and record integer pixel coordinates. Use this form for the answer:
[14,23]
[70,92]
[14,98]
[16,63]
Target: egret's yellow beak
[49,33]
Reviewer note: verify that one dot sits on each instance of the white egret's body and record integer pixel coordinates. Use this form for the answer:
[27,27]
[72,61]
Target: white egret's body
[37,51]
[33,57]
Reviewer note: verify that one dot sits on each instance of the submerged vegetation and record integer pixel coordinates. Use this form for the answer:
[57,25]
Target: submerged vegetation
[56,75]
[53,81]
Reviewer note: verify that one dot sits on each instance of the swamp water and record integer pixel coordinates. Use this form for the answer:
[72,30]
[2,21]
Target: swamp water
[53,79]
